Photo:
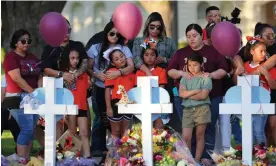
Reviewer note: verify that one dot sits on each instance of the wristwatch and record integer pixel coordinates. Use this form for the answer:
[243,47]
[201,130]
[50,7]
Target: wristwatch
[60,74]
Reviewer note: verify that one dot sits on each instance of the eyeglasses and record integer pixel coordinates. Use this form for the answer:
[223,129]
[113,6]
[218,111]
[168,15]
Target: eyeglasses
[270,36]
[114,33]
[24,41]
[156,27]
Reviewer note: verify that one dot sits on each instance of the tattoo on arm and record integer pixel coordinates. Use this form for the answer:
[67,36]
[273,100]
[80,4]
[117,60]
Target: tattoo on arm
[83,67]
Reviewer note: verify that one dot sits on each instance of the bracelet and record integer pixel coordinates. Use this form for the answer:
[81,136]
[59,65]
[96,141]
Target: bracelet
[121,71]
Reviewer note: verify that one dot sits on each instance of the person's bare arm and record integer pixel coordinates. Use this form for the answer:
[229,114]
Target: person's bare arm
[128,69]
[271,82]
[108,101]
[90,66]
[83,68]
[218,74]
[201,95]
[175,74]
[270,62]
[16,77]
[54,73]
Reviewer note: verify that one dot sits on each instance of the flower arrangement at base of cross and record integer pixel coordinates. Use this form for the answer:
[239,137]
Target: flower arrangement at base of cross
[262,156]
[168,149]
[68,151]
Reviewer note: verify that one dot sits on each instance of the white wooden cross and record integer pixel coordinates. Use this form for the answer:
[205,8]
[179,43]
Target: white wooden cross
[146,108]
[246,108]
[50,109]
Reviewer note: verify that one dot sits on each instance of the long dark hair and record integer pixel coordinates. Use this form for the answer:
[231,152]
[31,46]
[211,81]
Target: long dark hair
[105,44]
[155,16]
[64,62]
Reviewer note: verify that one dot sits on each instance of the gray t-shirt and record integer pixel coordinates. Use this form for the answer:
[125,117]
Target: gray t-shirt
[93,53]
[195,83]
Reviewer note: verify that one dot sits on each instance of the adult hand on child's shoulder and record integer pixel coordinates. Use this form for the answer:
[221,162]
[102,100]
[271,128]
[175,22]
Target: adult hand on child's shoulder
[206,75]
[187,75]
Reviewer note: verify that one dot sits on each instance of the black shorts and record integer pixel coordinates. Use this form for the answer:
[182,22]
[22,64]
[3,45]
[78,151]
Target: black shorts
[82,113]
[118,117]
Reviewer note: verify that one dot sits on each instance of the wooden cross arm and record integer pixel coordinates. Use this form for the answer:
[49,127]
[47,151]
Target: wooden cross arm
[256,108]
[149,108]
[52,109]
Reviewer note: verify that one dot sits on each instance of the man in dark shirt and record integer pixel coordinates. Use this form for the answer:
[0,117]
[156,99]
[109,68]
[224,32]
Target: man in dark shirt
[212,16]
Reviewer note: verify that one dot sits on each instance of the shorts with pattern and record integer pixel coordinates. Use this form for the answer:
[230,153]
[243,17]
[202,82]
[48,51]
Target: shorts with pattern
[116,116]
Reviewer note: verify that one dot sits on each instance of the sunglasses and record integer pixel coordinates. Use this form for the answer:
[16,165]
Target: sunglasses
[114,33]
[156,27]
[24,41]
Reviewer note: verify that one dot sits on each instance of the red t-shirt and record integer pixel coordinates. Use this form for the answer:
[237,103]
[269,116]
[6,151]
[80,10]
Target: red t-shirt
[204,34]
[213,61]
[29,70]
[80,93]
[157,71]
[128,81]
[263,82]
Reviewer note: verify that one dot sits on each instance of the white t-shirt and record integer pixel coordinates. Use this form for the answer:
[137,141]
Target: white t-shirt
[3,82]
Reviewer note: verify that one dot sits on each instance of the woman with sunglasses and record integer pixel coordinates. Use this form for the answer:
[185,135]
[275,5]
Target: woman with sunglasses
[97,68]
[22,74]
[154,29]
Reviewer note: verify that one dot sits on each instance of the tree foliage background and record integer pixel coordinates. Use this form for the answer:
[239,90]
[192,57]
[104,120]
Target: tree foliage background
[26,15]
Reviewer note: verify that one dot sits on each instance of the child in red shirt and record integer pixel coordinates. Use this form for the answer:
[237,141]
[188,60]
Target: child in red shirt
[255,50]
[119,122]
[149,57]
[71,63]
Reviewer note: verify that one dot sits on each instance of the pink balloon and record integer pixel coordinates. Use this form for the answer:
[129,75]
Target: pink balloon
[226,39]
[127,20]
[53,28]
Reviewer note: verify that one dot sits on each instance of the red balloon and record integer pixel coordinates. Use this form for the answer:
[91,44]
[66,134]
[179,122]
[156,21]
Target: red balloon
[226,39]
[53,28]
[127,20]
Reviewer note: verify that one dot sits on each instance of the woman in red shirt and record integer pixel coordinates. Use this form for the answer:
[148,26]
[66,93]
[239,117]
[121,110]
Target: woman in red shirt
[22,75]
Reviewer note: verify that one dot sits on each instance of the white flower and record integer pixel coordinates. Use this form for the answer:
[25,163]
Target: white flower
[164,134]
[59,156]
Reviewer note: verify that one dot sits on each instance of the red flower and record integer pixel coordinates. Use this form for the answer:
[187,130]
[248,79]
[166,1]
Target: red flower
[238,147]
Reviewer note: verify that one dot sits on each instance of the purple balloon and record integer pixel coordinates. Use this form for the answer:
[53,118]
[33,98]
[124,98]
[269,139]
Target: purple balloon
[226,39]
[53,28]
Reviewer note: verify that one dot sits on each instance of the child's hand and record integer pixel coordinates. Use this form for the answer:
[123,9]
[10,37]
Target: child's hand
[109,112]
[197,91]
[263,71]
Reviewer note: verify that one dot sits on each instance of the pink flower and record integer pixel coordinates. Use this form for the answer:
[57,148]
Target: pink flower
[158,157]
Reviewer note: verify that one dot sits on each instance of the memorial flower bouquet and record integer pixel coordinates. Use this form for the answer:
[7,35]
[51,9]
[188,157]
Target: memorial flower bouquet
[264,156]
[168,149]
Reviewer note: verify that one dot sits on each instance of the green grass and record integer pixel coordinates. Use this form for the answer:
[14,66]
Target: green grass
[8,144]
